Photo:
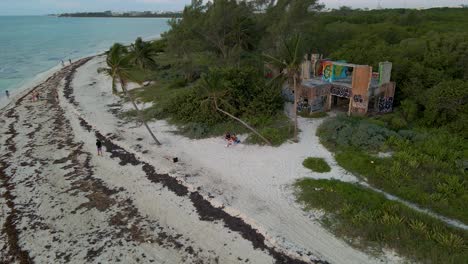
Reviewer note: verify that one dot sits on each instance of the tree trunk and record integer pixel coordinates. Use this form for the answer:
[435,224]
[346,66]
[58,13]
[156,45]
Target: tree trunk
[243,123]
[139,114]
[295,110]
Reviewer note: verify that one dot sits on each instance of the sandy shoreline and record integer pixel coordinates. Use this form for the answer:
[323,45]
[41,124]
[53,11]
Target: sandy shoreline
[218,205]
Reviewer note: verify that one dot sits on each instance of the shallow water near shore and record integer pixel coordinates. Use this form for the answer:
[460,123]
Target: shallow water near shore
[31,45]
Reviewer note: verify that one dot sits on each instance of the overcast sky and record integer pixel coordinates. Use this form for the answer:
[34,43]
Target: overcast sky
[37,7]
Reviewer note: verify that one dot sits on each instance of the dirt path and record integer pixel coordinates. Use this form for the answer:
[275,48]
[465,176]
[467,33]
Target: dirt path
[61,203]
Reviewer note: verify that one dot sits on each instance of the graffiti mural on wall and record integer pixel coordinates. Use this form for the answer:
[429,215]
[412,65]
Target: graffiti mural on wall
[358,98]
[359,102]
[327,71]
[339,72]
[288,95]
[318,104]
[385,104]
[341,91]
[303,105]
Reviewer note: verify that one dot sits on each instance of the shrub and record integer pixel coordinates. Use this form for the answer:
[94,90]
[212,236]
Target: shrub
[178,83]
[445,104]
[348,132]
[397,122]
[247,94]
[410,110]
[316,164]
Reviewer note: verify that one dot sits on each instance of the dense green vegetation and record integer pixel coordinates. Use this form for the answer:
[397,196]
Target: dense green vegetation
[428,49]
[424,166]
[368,220]
[211,75]
[316,164]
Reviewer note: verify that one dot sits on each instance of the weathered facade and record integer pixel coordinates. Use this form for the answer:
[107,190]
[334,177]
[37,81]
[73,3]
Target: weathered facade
[353,88]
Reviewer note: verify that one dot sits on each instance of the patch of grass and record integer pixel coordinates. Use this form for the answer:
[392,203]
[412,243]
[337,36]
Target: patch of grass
[313,114]
[316,164]
[426,166]
[358,162]
[367,219]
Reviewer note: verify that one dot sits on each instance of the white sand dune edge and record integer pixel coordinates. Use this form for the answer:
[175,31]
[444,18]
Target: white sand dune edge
[249,181]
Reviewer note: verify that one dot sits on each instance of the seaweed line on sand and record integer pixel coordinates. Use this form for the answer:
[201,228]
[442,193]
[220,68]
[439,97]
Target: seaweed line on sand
[205,210]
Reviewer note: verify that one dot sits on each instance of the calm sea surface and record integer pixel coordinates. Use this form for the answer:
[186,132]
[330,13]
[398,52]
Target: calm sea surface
[30,45]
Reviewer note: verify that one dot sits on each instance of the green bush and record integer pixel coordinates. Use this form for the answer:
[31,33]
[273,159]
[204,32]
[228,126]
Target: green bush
[247,95]
[397,122]
[410,109]
[178,83]
[316,164]
[446,106]
[368,220]
[348,132]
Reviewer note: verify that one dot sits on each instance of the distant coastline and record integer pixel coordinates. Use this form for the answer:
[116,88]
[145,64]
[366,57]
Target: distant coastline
[110,14]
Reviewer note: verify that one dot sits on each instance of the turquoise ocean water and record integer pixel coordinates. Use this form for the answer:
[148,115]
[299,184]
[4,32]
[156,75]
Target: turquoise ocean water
[30,45]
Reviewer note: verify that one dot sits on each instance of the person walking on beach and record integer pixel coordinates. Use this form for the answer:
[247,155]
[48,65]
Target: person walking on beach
[63,64]
[7,94]
[69,60]
[99,147]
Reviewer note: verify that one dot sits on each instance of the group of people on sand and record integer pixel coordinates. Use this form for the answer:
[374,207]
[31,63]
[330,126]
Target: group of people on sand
[231,139]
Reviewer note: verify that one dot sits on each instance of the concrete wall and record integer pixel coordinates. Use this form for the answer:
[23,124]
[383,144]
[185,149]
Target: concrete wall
[362,76]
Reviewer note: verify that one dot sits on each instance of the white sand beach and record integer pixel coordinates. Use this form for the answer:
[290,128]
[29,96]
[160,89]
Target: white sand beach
[62,203]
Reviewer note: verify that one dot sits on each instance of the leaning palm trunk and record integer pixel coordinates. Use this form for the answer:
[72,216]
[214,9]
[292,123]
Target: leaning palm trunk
[140,116]
[242,122]
[295,110]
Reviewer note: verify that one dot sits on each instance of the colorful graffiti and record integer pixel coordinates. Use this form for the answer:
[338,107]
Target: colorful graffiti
[327,71]
[339,72]
[385,104]
[332,72]
[358,98]
[303,105]
[340,91]
[318,104]
[288,94]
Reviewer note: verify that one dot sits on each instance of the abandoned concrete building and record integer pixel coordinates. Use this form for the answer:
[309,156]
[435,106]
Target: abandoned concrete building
[327,85]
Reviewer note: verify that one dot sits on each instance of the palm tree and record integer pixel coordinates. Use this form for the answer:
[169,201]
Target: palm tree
[141,54]
[214,91]
[289,66]
[119,69]
[114,62]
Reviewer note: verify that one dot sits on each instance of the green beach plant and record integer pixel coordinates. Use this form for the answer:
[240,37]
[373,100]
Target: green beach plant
[316,164]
